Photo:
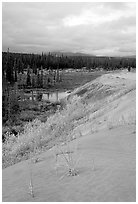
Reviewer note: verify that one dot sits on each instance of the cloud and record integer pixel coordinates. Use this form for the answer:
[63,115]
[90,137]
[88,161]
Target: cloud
[87,17]
[99,14]
[96,28]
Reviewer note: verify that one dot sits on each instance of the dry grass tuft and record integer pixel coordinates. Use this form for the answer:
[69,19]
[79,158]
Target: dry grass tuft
[66,159]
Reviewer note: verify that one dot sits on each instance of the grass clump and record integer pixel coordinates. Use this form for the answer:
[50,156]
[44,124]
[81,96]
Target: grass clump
[66,159]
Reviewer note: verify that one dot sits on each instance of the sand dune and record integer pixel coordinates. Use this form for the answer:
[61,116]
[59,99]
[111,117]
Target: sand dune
[105,152]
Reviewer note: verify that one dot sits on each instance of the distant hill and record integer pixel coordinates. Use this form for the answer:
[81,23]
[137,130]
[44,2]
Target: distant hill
[71,54]
[132,56]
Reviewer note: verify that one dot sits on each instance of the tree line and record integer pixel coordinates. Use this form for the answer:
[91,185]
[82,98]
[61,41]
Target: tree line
[15,63]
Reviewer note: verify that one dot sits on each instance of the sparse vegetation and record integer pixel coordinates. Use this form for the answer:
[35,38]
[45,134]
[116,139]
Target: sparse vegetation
[57,128]
[38,134]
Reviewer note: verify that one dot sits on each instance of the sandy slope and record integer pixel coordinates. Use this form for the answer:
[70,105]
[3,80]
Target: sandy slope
[105,155]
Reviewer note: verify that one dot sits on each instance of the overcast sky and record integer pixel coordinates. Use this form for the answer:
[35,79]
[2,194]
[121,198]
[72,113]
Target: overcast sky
[94,28]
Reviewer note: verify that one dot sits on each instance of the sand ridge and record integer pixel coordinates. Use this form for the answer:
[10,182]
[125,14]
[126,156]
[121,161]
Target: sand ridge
[106,154]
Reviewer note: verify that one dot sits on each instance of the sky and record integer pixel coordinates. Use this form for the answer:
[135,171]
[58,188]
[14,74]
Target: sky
[93,28]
